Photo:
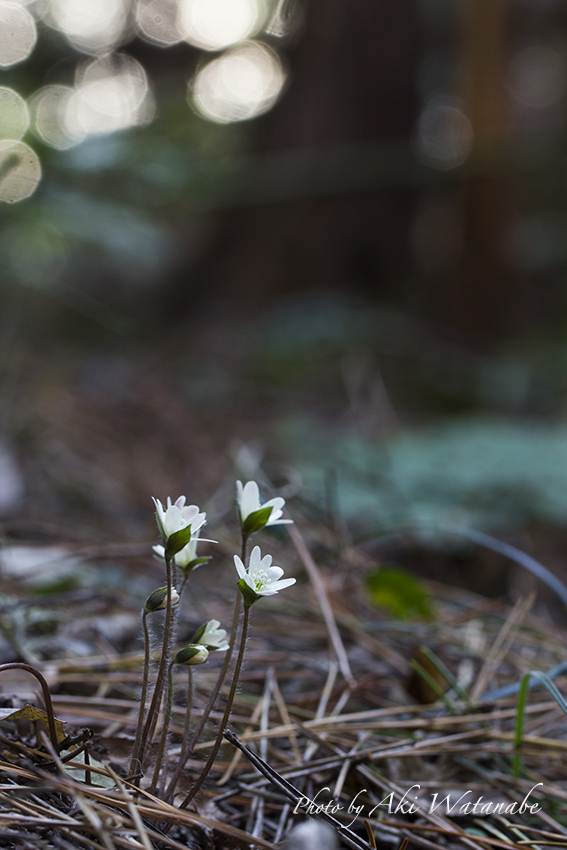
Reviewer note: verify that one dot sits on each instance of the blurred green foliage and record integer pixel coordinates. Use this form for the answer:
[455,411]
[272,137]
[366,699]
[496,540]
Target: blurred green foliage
[400,593]
[487,473]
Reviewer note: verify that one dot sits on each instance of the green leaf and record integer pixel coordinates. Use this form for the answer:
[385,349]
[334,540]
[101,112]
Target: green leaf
[198,634]
[186,654]
[196,562]
[248,595]
[192,654]
[156,600]
[177,541]
[521,708]
[255,521]
[400,593]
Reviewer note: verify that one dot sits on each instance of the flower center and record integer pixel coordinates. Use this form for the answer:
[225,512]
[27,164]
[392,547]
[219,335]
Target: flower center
[261,579]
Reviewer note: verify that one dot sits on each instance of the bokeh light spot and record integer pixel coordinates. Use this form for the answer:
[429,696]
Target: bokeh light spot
[112,93]
[538,76]
[242,83]
[92,26]
[216,24]
[157,21]
[17,33]
[444,134]
[20,171]
[48,108]
[14,115]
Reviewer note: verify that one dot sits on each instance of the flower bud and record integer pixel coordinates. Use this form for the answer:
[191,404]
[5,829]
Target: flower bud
[157,600]
[193,653]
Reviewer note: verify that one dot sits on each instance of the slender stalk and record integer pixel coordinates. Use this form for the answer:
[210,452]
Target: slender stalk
[165,730]
[226,715]
[135,767]
[187,724]
[228,656]
[188,749]
[20,665]
[153,712]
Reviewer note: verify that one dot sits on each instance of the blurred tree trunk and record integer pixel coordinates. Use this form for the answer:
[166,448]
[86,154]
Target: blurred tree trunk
[352,78]
[479,297]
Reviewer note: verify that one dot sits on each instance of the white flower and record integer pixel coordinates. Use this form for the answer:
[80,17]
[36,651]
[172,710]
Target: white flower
[178,516]
[186,557]
[261,577]
[213,637]
[248,498]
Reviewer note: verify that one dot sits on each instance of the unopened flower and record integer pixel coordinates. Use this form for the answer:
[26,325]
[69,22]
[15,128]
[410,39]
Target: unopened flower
[186,559]
[254,515]
[193,653]
[260,579]
[211,636]
[177,524]
[157,600]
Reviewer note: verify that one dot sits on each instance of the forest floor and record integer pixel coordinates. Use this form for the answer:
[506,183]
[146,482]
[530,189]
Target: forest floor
[383,684]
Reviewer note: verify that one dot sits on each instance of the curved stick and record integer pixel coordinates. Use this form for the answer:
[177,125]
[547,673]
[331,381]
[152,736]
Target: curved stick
[20,665]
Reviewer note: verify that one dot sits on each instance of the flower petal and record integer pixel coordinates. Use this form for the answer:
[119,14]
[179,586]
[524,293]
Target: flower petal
[250,500]
[276,503]
[255,559]
[240,568]
[198,522]
[280,585]
[274,573]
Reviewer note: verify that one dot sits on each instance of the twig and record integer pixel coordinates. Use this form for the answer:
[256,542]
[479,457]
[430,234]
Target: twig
[348,836]
[324,604]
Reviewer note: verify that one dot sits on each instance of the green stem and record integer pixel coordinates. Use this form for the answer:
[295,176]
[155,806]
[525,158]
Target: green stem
[226,715]
[155,704]
[187,750]
[182,588]
[135,766]
[187,724]
[164,731]
[519,725]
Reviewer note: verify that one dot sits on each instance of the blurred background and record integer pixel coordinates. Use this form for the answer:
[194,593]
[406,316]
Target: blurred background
[325,236]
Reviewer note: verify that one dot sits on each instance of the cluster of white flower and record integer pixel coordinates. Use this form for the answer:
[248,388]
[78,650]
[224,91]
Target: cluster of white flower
[184,522]
[180,526]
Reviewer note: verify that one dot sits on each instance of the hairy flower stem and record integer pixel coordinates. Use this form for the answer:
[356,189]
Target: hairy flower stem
[164,732]
[187,724]
[188,749]
[226,715]
[155,704]
[134,762]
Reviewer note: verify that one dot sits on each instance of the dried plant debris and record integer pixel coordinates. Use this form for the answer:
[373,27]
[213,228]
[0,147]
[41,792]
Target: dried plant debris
[348,728]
